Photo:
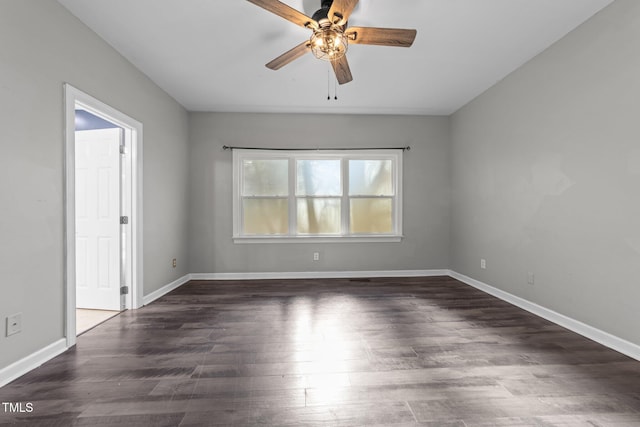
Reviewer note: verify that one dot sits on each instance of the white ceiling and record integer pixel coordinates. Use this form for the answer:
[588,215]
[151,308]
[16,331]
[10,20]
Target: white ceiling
[210,54]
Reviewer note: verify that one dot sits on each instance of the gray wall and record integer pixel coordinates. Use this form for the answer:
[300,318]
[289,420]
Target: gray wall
[41,47]
[546,177]
[426,191]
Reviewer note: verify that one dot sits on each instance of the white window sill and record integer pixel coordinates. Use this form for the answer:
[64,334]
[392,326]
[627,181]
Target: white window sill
[318,239]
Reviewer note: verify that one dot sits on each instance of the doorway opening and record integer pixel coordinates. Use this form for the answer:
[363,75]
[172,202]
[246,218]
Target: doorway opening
[103,212]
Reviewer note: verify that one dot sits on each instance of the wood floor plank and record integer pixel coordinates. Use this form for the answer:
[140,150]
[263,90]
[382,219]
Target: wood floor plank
[490,408]
[419,351]
[403,393]
[388,413]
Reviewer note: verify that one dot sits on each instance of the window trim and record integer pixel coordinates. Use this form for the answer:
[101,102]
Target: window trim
[395,155]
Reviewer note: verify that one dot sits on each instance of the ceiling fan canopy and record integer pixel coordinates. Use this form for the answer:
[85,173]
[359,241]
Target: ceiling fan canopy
[330,36]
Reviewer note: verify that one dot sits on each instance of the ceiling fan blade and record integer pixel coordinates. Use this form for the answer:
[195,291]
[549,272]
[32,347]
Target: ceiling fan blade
[286,12]
[341,10]
[341,68]
[381,36]
[289,56]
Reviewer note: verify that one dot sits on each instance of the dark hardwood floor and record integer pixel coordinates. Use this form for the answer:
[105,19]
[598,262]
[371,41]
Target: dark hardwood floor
[400,351]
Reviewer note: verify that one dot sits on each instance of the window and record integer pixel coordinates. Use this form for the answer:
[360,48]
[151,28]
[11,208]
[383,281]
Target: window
[291,196]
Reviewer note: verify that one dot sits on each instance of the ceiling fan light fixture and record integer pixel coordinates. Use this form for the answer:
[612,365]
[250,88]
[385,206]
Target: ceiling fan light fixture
[329,43]
[331,35]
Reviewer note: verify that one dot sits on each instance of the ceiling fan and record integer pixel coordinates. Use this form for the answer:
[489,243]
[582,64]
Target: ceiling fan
[330,36]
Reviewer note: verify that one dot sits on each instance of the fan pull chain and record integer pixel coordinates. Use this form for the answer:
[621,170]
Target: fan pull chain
[328,80]
[335,86]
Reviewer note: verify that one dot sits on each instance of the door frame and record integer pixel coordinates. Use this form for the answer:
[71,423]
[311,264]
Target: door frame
[133,140]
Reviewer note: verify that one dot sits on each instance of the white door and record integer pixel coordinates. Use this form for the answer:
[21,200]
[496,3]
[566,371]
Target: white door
[98,219]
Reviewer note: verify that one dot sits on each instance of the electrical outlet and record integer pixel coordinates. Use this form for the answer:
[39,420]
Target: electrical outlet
[174,263]
[531,278]
[14,324]
[316,256]
[483,263]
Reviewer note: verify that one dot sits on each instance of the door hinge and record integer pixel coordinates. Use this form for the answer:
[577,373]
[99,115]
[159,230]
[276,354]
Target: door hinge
[123,149]
[124,290]
[124,220]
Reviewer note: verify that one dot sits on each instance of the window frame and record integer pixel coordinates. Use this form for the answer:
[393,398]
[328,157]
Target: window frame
[395,155]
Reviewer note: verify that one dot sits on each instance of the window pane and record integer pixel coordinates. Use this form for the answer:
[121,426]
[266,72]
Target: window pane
[265,177]
[370,178]
[319,216]
[371,215]
[266,216]
[318,178]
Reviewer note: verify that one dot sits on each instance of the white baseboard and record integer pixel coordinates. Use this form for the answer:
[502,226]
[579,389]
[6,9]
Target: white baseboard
[147,299]
[32,361]
[317,274]
[625,347]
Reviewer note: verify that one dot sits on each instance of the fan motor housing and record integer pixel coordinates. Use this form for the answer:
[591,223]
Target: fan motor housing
[323,12]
